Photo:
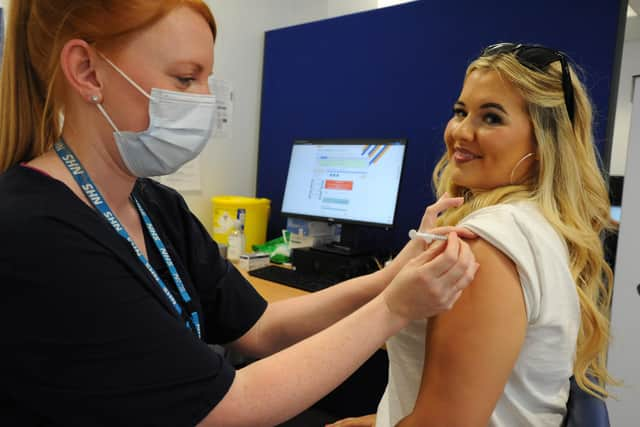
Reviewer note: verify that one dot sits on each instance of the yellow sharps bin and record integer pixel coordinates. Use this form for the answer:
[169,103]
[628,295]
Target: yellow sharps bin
[225,213]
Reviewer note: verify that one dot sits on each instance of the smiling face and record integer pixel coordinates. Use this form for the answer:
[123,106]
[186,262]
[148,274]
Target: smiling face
[489,133]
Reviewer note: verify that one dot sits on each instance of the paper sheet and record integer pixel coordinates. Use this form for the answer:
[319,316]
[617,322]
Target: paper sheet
[223,91]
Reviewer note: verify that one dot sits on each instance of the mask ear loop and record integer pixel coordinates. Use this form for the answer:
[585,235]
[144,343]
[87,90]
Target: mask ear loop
[516,166]
[123,74]
[106,116]
[97,100]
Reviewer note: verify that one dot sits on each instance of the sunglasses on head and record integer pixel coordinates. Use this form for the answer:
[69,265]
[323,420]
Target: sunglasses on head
[538,58]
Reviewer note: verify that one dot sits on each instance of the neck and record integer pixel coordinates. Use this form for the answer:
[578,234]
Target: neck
[101,160]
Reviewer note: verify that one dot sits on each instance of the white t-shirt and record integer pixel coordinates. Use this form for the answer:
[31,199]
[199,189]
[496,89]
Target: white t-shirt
[538,388]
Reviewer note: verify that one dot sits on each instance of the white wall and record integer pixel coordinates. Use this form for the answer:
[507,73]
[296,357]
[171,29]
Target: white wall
[386,3]
[345,7]
[230,166]
[624,352]
[630,67]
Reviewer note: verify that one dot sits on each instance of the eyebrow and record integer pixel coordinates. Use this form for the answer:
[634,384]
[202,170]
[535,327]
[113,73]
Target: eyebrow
[487,105]
[196,65]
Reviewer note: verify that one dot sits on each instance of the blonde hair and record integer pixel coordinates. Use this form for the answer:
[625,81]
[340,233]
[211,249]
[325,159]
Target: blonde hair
[570,191]
[31,87]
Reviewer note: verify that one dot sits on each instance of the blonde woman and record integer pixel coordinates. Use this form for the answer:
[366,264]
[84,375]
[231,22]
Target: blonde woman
[520,150]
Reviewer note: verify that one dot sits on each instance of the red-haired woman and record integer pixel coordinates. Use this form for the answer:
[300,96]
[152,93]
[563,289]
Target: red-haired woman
[111,288]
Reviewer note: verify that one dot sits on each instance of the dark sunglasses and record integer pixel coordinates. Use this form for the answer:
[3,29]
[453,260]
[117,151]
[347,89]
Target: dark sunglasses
[538,58]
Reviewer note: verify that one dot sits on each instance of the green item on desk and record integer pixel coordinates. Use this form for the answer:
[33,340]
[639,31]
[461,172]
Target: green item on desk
[279,258]
[278,249]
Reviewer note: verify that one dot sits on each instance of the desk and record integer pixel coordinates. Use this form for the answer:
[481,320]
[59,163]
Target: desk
[361,392]
[271,291]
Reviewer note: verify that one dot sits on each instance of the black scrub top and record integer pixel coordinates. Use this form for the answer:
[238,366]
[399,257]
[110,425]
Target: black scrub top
[87,338]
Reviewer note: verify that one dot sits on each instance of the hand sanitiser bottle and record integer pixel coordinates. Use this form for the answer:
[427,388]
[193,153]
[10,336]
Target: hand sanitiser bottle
[236,238]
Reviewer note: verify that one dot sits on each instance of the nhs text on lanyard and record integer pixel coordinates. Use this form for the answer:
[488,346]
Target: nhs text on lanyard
[91,191]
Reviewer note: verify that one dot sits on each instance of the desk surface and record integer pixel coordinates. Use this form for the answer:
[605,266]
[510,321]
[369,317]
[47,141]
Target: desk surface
[271,291]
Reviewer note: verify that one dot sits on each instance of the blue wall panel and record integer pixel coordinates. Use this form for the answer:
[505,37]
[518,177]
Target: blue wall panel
[395,72]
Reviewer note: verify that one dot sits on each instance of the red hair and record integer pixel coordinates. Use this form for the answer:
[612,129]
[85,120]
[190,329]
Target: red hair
[31,98]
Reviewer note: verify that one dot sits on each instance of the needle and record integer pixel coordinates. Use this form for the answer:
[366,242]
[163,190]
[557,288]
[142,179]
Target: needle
[428,237]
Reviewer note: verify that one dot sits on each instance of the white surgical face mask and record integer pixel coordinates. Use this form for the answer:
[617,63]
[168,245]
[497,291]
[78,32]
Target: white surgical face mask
[180,125]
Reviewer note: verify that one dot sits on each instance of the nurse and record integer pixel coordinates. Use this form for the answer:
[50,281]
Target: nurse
[112,290]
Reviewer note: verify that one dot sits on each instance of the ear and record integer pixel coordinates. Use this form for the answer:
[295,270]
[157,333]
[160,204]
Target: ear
[78,63]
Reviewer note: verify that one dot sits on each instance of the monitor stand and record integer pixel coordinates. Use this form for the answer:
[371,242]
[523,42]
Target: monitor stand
[349,244]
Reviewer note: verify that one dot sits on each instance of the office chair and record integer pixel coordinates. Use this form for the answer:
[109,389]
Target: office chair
[585,410]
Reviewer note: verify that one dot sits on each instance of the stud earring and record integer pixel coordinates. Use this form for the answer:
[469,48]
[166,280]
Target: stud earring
[95,99]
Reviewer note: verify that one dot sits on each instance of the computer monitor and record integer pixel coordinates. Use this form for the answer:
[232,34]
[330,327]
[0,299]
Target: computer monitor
[346,181]
[616,184]
[616,213]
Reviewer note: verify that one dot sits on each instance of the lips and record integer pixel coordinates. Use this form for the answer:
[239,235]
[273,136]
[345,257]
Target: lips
[462,155]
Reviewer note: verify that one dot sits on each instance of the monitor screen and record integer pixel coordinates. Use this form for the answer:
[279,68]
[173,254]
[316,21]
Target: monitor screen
[616,213]
[347,181]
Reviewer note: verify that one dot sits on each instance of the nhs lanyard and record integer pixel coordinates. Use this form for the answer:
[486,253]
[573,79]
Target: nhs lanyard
[95,197]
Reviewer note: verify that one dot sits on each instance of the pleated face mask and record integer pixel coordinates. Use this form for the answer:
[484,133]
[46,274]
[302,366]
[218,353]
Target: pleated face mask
[180,125]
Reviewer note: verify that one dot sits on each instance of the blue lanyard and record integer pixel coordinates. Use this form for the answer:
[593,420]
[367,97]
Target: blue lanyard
[95,197]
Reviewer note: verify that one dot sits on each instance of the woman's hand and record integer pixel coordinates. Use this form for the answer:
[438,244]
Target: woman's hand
[432,282]
[365,421]
[433,211]
[431,214]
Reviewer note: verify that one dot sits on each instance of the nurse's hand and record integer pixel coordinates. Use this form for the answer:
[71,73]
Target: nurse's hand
[432,282]
[366,421]
[415,247]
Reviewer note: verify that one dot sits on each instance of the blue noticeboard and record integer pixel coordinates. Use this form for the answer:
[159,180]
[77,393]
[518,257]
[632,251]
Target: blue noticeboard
[396,72]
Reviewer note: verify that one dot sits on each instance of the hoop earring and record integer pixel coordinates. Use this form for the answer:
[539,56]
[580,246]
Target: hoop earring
[516,166]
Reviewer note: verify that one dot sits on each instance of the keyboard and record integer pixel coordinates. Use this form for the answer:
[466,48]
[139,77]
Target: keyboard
[306,281]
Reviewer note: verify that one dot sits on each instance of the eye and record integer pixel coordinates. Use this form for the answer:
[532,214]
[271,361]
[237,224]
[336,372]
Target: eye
[459,112]
[492,119]
[185,81]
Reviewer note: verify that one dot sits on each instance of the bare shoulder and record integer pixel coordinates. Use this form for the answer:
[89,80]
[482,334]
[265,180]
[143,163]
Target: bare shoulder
[489,256]
[479,338]
[495,290]
[494,294]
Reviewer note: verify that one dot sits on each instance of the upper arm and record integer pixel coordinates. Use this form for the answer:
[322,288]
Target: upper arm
[254,342]
[471,349]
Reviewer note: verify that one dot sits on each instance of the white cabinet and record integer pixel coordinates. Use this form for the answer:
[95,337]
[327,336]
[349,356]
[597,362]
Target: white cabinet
[624,352]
